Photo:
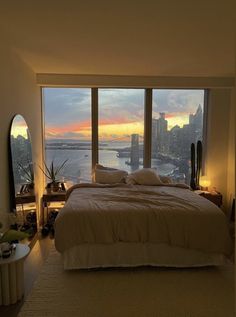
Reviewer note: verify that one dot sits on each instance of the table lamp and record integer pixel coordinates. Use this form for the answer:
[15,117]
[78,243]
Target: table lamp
[204,183]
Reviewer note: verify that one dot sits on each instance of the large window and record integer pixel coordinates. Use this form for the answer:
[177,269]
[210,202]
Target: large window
[177,121]
[121,127]
[68,131]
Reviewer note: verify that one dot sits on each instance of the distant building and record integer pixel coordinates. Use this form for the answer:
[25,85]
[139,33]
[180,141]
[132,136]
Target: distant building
[181,138]
[196,119]
[154,138]
[159,135]
[134,158]
[174,141]
[174,145]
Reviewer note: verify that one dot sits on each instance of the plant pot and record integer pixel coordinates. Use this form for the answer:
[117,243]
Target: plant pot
[27,189]
[53,187]
[30,188]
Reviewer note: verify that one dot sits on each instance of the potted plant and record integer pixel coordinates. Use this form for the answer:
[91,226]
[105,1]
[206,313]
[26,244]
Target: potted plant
[7,238]
[28,176]
[52,173]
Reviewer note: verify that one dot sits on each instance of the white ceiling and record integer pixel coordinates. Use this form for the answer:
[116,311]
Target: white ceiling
[117,37]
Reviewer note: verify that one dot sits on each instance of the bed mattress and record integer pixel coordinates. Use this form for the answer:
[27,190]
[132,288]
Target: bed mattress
[86,256]
[146,215]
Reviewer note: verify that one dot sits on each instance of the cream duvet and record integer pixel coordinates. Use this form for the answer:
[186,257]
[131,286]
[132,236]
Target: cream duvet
[103,214]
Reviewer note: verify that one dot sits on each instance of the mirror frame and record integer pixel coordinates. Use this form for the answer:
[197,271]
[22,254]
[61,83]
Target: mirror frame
[11,174]
[12,198]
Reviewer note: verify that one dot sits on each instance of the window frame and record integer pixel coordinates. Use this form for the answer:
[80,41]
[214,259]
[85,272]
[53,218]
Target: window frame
[148,100]
[205,122]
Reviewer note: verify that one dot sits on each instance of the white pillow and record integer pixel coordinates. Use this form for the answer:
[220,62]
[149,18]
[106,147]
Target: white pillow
[145,176]
[166,179]
[106,176]
[102,167]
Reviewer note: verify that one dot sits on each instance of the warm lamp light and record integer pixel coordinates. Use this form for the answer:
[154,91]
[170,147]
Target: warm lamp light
[204,182]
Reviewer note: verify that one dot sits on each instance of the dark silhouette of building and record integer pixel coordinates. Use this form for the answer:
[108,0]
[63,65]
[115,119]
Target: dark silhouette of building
[134,157]
[159,135]
[154,138]
[174,145]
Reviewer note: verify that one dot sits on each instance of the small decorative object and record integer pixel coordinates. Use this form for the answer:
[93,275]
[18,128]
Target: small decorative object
[232,217]
[199,162]
[45,230]
[31,217]
[7,238]
[52,173]
[193,180]
[196,167]
[5,249]
[49,227]
[204,183]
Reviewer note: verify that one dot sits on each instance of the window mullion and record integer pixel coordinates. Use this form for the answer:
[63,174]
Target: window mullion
[147,128]
[204,132]
[94,106]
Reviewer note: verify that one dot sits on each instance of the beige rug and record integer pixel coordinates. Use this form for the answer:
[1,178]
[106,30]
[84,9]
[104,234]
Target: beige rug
[140,292]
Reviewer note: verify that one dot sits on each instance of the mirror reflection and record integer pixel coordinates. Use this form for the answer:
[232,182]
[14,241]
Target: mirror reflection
[23,176]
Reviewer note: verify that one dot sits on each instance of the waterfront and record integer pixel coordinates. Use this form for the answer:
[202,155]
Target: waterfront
[78,166]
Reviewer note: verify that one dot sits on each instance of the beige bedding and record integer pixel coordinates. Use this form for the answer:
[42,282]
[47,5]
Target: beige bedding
[106,214]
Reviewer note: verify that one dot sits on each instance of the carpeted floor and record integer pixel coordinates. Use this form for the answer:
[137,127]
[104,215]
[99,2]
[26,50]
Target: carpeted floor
[139,292]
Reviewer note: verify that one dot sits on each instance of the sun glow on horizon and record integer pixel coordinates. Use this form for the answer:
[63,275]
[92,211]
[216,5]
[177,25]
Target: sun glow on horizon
[179,120]
[106,131]
[109,131]
[115,131]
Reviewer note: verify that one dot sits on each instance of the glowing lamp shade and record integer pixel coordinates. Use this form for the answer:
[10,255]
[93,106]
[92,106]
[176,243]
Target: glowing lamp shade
[205,182]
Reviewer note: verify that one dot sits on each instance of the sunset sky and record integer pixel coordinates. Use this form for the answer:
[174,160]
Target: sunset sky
[121,111]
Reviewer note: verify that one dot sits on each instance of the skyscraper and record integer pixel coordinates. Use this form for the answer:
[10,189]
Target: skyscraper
[154,138]
[162,125]
[159,135]
[134,159]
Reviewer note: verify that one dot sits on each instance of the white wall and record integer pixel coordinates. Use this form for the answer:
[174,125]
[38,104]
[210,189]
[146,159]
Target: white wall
[19,95]
[220,135]
[231,152]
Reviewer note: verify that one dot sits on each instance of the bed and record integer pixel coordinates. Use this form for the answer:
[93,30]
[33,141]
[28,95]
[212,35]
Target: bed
[115,225]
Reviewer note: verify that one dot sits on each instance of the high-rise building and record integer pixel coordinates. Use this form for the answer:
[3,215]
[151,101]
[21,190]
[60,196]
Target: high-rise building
[162,125]
[174,141]
[134,159]
[159,135]
[154,138]
[196,123]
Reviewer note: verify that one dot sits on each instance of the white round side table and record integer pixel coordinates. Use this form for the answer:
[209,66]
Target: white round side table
[12,275]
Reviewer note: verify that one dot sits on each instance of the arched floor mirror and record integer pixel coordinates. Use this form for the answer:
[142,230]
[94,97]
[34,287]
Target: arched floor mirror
[22,177]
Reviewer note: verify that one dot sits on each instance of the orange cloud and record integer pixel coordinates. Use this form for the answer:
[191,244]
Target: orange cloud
[169,115]
[112,124]
[120,130]
[74,127]
[115,120]
[111,128]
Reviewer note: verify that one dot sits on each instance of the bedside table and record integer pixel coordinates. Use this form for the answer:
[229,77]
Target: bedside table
[213,196]
[53,197]
[12,275]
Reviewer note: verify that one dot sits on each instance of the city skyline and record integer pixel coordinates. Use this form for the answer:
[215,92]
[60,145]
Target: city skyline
[121,111]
